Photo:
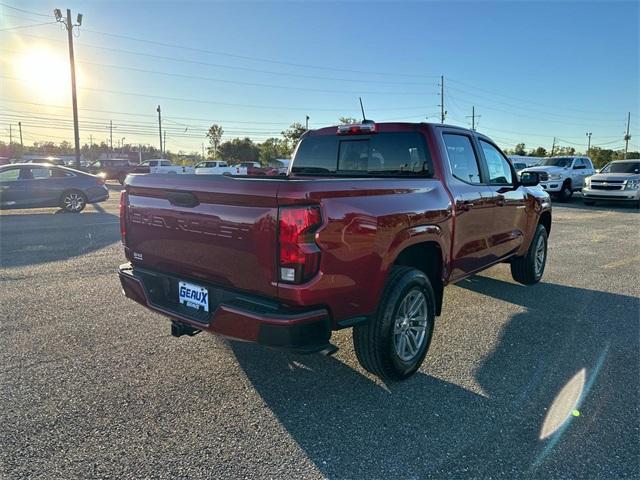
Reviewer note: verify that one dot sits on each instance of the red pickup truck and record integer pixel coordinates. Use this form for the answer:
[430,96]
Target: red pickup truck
[371,223]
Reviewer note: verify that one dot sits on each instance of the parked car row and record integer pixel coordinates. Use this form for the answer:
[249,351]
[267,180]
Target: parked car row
[49,184]
[562,176]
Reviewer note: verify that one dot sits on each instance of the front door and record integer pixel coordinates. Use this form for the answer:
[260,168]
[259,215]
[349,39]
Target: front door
[473,207]
[509,216]
[9,186]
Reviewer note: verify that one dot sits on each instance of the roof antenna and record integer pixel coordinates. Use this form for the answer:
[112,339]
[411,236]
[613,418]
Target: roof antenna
[364,118]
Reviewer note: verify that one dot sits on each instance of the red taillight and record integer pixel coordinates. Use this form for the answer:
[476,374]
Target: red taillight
[123,216]
[299,255]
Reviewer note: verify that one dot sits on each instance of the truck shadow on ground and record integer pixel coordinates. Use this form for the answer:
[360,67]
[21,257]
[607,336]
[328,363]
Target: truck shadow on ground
[35,238]
[350,426]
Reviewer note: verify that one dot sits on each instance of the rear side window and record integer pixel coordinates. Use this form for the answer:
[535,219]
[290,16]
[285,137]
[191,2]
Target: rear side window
[385,154]
[58,173]
[165,163]
[462,158]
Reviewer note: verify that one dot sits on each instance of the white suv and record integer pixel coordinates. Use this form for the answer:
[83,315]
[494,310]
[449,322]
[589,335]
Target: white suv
[562,176]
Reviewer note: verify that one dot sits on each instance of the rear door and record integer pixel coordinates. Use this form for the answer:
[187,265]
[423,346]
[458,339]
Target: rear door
[473,204]
[509,218]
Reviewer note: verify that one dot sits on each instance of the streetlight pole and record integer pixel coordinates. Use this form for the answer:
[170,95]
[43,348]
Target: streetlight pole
[588,142]
[69,25]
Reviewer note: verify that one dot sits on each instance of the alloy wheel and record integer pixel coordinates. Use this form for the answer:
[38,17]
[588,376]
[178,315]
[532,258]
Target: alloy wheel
[73,202]
[409,331]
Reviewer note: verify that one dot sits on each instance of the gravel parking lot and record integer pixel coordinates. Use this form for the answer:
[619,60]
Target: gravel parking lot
[93,386]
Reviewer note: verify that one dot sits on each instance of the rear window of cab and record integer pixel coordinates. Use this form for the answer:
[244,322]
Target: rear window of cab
[380,154]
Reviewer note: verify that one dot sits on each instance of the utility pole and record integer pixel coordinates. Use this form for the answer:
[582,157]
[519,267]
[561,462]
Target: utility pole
[72,63]
[473,117]
[442,110]
[553,147]
[111,135]
[20,128]
[588,142]
[306,125]
[160,126]
[627,137]
[122,146]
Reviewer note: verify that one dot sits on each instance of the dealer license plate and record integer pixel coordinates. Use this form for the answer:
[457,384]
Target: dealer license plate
[193,296]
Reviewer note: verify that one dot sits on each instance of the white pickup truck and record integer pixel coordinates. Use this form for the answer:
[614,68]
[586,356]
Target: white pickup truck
[561,176]
[161,165]
[217,167]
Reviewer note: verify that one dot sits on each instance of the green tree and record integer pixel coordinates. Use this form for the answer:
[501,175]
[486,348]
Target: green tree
[565,151]
[293,133]
[538,152]
[215,137]
[348,120]
[520,149]
[600,157]
[239,150]
[273,148]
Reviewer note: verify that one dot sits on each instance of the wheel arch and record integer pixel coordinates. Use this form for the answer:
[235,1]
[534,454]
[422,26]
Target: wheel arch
[545,220]
[426,256]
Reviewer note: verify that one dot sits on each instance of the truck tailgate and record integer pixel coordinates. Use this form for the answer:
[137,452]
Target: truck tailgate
[216,228]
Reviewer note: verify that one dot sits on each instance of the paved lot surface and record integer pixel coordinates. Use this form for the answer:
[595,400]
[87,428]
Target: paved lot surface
[93,386]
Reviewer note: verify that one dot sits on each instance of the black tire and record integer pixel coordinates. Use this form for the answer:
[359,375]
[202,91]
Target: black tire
[121,178]
[590,203]
[374,342]
[565,193]
[523,269]
[73,201]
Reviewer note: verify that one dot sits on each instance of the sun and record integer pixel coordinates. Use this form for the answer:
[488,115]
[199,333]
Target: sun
[44,73]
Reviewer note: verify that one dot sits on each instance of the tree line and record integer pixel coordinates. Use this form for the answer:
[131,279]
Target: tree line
[238,150]
[599,156]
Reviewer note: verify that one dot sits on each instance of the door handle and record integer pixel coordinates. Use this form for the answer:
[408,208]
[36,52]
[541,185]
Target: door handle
[464,205]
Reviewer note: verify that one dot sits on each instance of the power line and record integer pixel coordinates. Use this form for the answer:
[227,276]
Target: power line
[257,59]
[23,10]
[233,67]
[527,101]
[196,100]
[553,114]
[19,27]
[247,57]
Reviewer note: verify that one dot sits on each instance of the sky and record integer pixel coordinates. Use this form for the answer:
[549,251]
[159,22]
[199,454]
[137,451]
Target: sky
[533,70]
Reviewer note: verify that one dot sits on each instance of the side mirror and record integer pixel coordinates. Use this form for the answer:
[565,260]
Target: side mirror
[529,179]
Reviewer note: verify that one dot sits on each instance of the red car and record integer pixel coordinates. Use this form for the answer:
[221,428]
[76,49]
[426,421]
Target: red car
[373,222]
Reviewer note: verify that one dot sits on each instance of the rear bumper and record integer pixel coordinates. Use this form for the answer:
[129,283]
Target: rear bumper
[622,195]
[232,314]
